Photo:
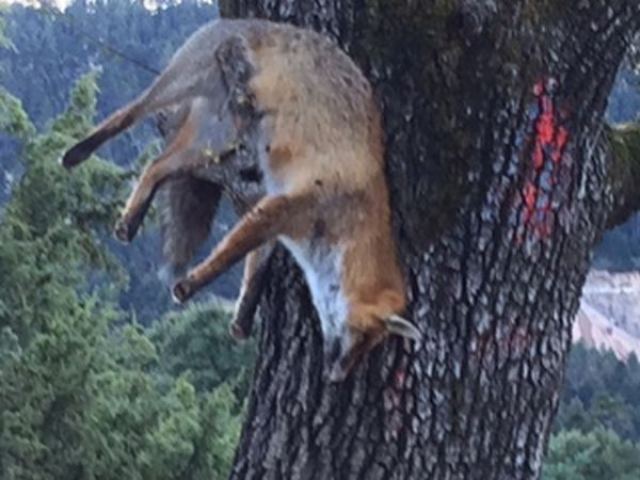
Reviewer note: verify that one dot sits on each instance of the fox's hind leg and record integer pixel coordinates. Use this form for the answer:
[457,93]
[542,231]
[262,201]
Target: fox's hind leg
[204,139]
[114,124]
[175,157]
[179,84]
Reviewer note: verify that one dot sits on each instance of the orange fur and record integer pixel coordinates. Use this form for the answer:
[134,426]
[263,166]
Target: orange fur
[326,194]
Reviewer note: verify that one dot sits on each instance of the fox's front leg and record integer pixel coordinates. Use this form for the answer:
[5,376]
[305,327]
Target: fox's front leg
[263,222]
[255,269]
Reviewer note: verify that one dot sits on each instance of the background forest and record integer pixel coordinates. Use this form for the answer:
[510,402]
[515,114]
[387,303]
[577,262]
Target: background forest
[100,377]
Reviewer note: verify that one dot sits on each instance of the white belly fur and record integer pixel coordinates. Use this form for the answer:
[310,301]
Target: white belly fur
[322,266]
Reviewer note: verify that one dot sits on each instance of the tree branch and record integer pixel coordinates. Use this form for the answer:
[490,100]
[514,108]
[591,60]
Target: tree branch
[624,171]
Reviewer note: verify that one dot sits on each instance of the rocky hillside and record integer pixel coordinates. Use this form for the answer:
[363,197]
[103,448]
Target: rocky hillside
[609,315]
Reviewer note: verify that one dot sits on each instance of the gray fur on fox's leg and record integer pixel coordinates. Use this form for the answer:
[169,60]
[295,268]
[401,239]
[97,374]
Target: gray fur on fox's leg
[253,282]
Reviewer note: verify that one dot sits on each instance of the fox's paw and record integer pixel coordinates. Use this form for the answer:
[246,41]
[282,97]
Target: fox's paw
[78,153]
[237,332]
[126,229]
[182,291]
[123,232]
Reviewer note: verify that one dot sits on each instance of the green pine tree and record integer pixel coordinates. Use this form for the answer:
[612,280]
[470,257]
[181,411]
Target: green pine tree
[598,455]
[83,394]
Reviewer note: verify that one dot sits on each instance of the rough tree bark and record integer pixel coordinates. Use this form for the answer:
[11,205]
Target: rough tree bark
[502,180]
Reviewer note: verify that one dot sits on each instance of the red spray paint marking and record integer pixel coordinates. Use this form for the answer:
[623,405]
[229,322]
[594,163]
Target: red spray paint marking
[399,377]
[517,342]
[394,419]
[550,141]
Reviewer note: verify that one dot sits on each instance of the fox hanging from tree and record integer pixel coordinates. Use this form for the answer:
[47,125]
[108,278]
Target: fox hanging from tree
[307,113]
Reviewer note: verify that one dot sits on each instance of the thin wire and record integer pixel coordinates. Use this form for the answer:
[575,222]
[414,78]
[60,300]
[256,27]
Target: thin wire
[67,17]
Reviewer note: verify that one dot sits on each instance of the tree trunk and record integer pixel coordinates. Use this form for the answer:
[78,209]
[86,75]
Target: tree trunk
[499,172]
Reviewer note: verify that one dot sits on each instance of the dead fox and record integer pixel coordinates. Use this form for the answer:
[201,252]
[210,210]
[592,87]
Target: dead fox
[309,114]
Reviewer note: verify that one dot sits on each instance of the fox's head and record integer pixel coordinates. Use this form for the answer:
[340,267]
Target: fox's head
[346,349]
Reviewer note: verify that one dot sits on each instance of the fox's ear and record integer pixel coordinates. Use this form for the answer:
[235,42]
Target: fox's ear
[396,325]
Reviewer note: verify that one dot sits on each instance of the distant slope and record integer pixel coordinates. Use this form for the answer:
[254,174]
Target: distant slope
[609,315]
